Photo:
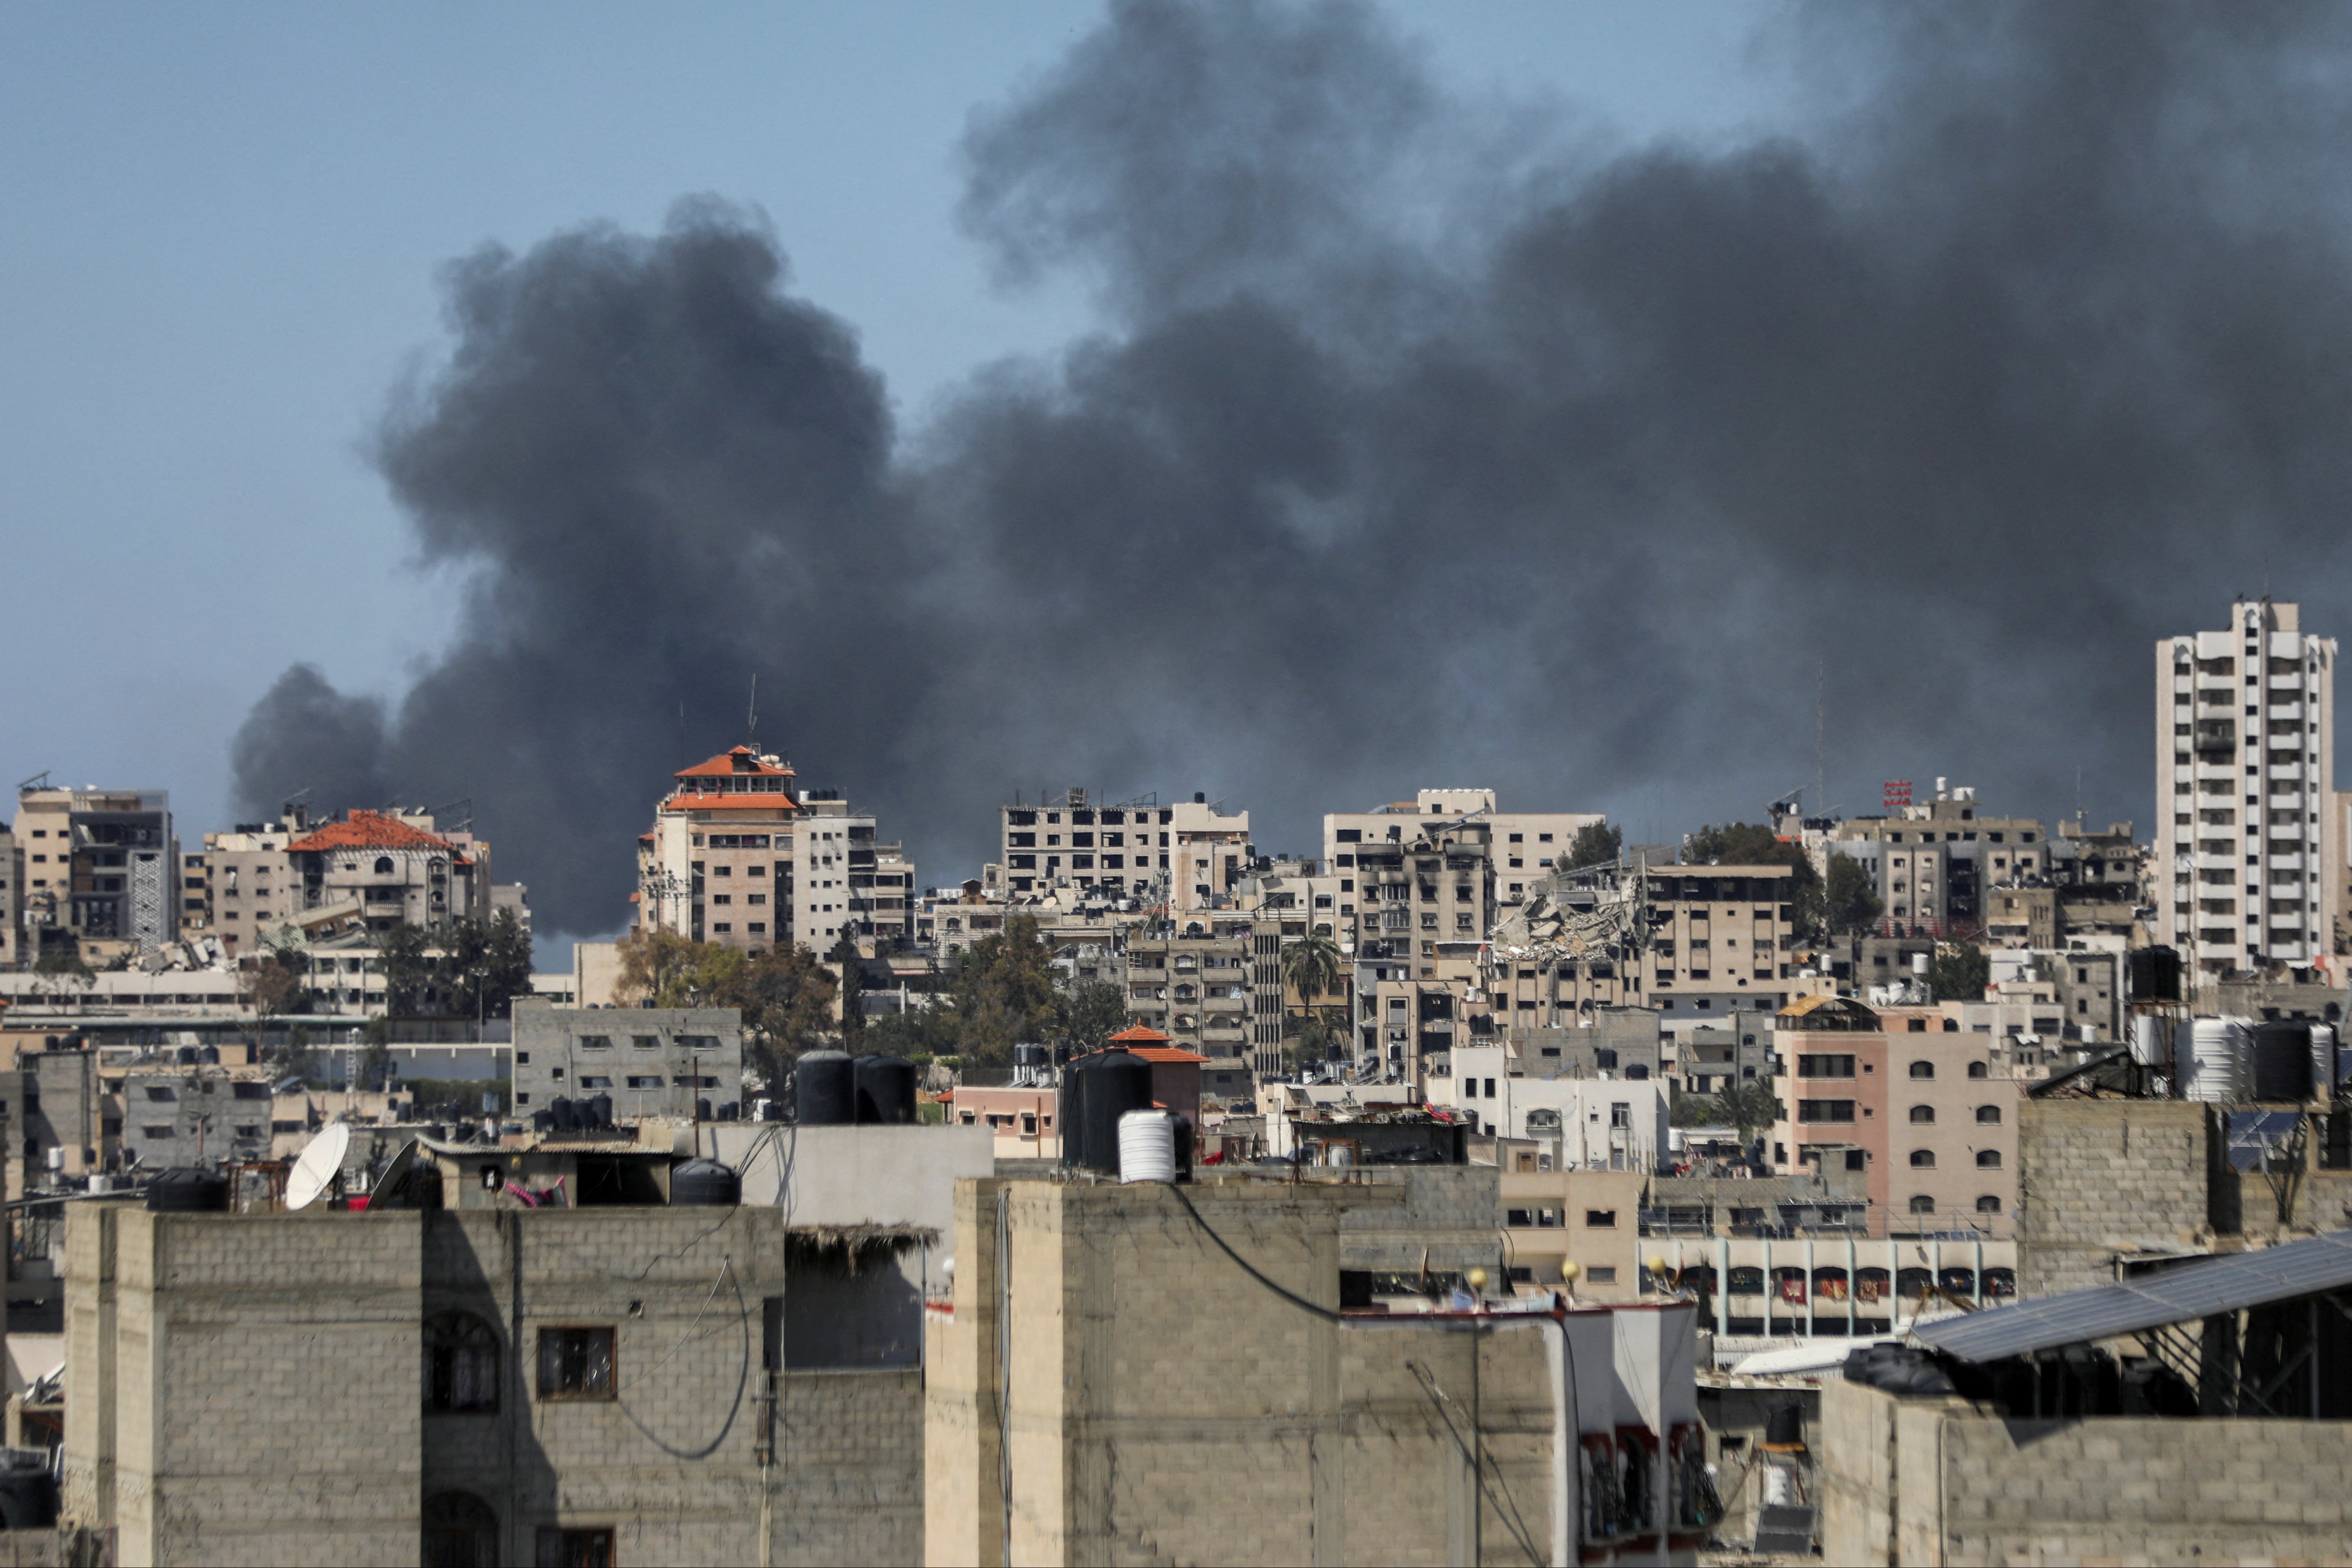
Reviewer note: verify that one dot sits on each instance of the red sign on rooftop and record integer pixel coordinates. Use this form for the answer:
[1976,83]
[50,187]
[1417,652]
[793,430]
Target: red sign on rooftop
[1898,792]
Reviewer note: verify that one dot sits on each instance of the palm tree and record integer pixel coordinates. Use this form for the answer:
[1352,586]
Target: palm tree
[1313,967]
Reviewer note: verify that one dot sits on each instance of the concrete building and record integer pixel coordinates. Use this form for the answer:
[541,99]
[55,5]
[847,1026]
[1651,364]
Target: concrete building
[1910,1098]
[101,867]
[1066,1419]
[2245,768]
[576,1405]
[1525,846]
[1934,865]
[1188,854]
[186,1118]
[738,856]
[12,900]
[653,1062]
[1584,1124]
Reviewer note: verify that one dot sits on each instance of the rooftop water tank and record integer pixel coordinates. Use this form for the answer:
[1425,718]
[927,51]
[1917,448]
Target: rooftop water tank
[2281,1061]
[2322,1059]
[1119,1082]
[1147,1146]
[600,1110]
[703,1183]
[825,1089]
[886,1090]
[2152,975]
[2208,1059]
[2148,1042]
[1070,1113]
[186,1190]
[567,1116]
[28,1493]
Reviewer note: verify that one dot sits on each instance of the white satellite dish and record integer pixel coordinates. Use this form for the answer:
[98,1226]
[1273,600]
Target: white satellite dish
[319,1165]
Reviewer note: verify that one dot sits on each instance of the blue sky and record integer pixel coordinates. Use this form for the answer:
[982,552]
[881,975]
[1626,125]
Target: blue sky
[225,224]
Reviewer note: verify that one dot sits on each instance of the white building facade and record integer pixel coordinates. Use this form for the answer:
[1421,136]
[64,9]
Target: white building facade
[2245,776]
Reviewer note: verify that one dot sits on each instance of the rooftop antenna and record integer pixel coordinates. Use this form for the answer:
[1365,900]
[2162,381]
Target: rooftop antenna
[1821,711]
[682,759]
[321,1163]
[752,720]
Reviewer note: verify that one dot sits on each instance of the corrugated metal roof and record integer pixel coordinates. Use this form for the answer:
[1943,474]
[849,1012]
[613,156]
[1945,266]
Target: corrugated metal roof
[2181,1294]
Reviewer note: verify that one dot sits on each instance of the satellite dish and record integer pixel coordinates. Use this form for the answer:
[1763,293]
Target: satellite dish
[319,1165]
[390,1190]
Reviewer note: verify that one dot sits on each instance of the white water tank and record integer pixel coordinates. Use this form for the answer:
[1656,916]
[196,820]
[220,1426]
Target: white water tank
[1147,1146]
[2148,1042]
[2322,1061]
[2212,1058]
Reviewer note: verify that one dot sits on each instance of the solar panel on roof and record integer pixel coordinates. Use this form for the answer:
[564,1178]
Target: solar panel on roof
[2183,1294]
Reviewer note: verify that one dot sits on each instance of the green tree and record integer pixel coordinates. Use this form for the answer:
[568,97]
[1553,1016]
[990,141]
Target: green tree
[1751,1107]
[785,996]
[1850,903]
[375,1061]
[1596,843]
[1002,990]
[853,990]
[1958,972]
[1087,1013]
[459,968]
[1313,967]
[927,1029]
[1310,1038]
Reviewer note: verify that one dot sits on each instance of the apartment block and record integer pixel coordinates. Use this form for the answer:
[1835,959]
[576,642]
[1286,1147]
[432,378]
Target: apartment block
[12,900]
[1933,865]
[2245,778]
[1524,846]
[1188,854]
[737,856]
[101,866]
[1907,1097]
[1213,984]
[652,1062]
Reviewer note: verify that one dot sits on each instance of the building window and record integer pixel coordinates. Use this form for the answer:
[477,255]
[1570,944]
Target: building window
[575,1364]
[1923,1159]
[1602,1274]
[1923,1070]
[1825,1110]
[1988,1160]
[1976,1069]
[583,1547]
[461,1365]
[460,1531]
[1988,1205]
[1923,1205]
[1601,1219]
[1825,1067]
[1988,1115]
[1923,1113]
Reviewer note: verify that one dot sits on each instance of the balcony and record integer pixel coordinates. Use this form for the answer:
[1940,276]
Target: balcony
[2286,772]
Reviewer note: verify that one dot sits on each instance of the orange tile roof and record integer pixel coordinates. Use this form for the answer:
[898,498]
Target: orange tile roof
[731,762]
[1140,1031]
[1168,1053]
[373,831]
[730,802]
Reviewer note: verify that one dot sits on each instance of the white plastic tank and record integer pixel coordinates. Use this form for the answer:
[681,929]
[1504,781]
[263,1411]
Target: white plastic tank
[2322,1061]
[2148,1045]
[1147,1146]
[2212,1059]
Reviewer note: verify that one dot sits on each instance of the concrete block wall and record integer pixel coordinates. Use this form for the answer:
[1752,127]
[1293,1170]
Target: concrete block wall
[1932,1480]
[1454,1211]
[1330,1446]
[2095,1177]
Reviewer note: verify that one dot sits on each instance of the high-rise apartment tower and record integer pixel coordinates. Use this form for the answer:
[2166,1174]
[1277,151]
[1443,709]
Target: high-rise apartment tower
[2245,743]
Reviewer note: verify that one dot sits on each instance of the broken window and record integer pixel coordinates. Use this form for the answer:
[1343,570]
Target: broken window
[575,1364]
[461,1365]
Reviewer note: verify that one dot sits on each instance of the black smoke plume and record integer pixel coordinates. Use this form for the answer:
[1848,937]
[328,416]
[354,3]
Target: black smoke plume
[1425,442]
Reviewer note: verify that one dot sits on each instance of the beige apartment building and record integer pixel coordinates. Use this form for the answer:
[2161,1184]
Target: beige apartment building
[738,856]
[1188,854]
[1527,846]
[101,867]
[1934,865]
[12,900]
[2245,774]
[1909,1098]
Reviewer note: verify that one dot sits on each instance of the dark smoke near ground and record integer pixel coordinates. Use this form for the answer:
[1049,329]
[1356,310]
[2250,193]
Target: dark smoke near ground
[1425,442]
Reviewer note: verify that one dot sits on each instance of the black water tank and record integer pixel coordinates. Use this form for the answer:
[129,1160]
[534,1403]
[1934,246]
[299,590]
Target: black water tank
[1638,1071]
[566,1116]
[702,1110]
[29,1493]
[1785,1424]
[600,1110]
[703,1183]
[825,1089]
[2283,1061]
[1603,1057]
[2152,975]
[1070,1113]
[886,1090]
[185,1190]
[542,1122]
[1120,1082]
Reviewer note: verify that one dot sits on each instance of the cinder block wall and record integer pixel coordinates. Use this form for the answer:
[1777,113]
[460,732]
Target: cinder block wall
[1328,1446]
[2097,1175]
[1931,1480]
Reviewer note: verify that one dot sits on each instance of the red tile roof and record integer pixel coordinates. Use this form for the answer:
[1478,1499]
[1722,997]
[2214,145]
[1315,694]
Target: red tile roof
[730,762]
[1143,1033]
[1175,1054]
[374,831]
[730,802]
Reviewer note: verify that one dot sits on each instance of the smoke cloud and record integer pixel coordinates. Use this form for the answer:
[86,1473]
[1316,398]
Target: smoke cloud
[1425,442]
